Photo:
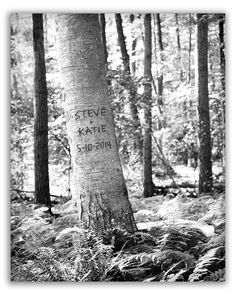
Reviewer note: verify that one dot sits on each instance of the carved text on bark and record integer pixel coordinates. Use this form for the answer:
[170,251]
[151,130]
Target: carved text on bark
[90,113]
[88,118]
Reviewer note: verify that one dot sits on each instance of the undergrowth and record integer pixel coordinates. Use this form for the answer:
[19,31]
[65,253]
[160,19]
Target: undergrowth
[179,239]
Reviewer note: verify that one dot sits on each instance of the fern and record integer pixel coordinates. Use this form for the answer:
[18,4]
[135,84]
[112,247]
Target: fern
[217,276]
[212,261]
[45,266]
[90,257]
[143,266]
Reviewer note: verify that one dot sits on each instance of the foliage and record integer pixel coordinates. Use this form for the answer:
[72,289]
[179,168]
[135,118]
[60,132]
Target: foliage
[45,248]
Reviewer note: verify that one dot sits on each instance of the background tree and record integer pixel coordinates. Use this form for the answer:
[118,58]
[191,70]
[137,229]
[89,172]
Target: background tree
[98,183]
[42,194]
[222,48]
[102,21]
[147,97]
[179,47]
[133,48]
[222,67]
[137,142]
[205,173]
[189,47]
[161,48]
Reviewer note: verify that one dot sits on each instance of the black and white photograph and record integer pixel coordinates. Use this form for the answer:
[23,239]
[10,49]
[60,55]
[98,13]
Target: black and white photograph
[117,146]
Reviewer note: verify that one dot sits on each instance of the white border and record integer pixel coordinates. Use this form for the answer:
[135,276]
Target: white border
[119,6]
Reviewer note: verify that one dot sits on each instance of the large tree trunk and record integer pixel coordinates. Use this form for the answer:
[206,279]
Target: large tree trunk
[147,144]
[205,173]
[137,142]
[42,194]
[98,184]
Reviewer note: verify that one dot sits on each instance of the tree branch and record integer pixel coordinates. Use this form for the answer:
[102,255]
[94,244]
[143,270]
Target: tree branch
[67,148]
[32,192]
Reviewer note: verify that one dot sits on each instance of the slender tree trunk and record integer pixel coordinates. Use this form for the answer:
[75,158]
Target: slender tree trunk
[134,43]
[147,145]
[102,21]
[121,40]
[179,47]
[222,67]
[161,47]
[160,76]
[42,194]
[189,47]
[137,143]
[222,49]
[205,173]
[98,184]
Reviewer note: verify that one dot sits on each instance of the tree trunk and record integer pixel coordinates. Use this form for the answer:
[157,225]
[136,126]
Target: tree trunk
[189,47]
[205,173]
[42,194]
[222,67]
[160,76]
[137,143]
[98,184]
[134,43]
[102,21]
[222,49]
[121,40]
[147,144]
[179,48]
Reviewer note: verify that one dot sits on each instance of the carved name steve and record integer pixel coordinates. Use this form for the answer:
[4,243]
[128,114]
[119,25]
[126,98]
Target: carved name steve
[90,113]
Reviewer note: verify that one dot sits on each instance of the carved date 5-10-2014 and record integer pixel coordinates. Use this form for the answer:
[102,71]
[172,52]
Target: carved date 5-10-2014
[88,147]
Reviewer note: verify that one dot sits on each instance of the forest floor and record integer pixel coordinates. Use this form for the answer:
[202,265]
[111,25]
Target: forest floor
[180,237]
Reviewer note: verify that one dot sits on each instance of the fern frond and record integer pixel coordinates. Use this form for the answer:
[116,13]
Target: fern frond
[217,276]
[68,231]
[210,262]
[218,240]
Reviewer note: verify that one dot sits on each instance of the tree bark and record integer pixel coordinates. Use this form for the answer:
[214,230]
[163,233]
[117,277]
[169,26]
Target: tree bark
[102,21]
[160,76]
[189,47]
[137,143]
[121,40]
[134,43]
[205,173]
[222,49]
[147,145]
[222,67]
[179,47]
[161,47]
[42,195]
[98,184]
